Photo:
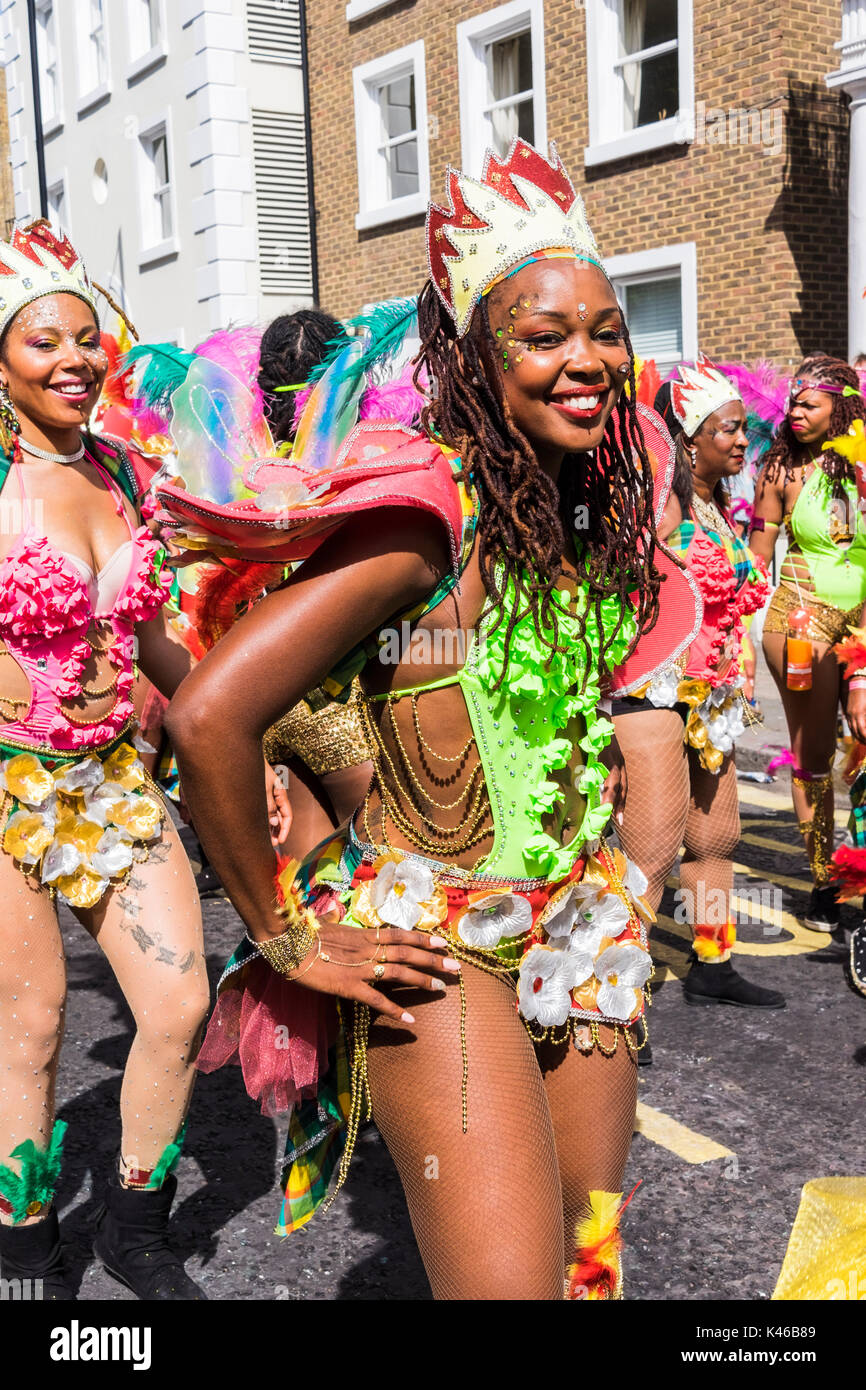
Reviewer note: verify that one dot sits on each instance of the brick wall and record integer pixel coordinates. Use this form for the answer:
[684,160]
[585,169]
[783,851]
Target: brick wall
[7,196]
[770,229]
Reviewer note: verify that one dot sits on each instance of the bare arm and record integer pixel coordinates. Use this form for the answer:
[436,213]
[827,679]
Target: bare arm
[769,512]
[671,517]
[162,656]
[265,664]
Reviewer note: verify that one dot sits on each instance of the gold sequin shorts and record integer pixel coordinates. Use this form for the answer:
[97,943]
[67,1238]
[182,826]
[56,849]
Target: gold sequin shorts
[327,740]
[828,624]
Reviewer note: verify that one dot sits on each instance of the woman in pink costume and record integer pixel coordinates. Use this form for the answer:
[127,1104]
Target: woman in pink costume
[81,592]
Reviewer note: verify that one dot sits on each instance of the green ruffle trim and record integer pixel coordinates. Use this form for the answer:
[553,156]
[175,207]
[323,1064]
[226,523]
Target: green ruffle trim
[567,684]
[39,1176]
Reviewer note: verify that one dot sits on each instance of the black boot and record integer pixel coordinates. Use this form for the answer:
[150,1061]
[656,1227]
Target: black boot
[132,1243]
[822,914]
[33,1256]
[720,984]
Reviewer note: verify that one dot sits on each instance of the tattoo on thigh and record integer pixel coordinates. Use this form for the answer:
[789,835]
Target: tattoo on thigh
[141,938]
[159,852]
[187,963]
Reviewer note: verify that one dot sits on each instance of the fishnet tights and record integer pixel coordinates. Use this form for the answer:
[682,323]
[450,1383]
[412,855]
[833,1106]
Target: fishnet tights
[673,801]
[152,938]
[494,1209]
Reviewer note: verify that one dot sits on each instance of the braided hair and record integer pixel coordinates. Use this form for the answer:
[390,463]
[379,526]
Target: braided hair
[291,347]
[785,452]
[524,516]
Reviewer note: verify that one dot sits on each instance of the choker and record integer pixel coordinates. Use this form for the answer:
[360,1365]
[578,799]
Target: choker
[50,458]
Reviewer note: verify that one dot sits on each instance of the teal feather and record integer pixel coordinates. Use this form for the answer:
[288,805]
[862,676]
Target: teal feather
[385,327]
[165,369]
[40,1173]
[760,433]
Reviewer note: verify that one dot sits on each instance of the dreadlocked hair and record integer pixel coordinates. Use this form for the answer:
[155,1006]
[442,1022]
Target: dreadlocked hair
[291,347]
[785,453]
[524,516]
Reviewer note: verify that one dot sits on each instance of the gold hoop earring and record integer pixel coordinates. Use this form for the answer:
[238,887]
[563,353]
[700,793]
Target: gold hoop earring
[10,425]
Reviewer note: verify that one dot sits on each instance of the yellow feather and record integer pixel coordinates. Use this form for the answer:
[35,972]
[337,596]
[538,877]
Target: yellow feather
[852,446]
[602,1221]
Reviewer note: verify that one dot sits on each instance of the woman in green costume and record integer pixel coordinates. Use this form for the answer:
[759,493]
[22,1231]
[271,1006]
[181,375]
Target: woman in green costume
[811,491]
[470,958]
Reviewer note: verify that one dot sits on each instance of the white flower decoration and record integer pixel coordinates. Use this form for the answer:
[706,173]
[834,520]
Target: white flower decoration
[60,861]
[113,854]
[635,880]
[621,970]
[98,803]
[398,890]
[546,980]
[662,690]
[499,915]
[81,777]
[587,915]
[280,497]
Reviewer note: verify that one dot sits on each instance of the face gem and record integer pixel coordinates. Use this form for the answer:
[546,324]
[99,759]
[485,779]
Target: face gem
[581,309]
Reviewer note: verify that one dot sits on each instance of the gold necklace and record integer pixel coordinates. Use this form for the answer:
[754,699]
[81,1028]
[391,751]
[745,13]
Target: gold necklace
[711,517]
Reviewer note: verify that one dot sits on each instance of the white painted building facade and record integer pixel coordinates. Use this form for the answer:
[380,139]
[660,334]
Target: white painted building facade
[175,152]
[851,78]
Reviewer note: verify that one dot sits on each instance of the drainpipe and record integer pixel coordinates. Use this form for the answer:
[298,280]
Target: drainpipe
[308,144]
[37,108]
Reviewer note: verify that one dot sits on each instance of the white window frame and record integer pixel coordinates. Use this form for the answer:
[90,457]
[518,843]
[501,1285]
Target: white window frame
[143,60]
[356,9]
[473,36]
[60,182]
[660,263]
[53,123]
[373,209]
[94,95]
[155,250]
[607,139]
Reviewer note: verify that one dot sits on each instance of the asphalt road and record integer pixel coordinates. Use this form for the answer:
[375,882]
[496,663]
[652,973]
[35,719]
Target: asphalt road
[777,1096]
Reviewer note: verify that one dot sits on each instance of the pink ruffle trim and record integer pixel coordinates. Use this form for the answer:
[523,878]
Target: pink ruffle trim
[277,1032]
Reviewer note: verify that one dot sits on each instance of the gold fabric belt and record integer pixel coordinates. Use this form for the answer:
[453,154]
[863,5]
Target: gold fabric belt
[828,624]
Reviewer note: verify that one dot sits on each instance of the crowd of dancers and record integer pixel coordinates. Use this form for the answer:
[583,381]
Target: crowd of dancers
[435,627]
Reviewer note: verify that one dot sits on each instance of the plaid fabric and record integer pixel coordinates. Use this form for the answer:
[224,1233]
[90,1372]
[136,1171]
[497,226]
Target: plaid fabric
[315,1143]
[736,550]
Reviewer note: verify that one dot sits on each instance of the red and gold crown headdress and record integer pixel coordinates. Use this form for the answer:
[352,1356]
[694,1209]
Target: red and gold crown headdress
[34,263]
[699,390]
[521,205]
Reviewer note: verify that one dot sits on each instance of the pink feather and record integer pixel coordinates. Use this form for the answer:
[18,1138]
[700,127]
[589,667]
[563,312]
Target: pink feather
[394,400]
[237,350]
[763,390]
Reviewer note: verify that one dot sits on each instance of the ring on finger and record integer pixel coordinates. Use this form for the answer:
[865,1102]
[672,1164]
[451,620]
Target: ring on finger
[378,971]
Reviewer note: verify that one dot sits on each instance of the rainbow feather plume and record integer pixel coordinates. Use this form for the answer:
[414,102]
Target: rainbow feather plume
[162,368]
[219,429]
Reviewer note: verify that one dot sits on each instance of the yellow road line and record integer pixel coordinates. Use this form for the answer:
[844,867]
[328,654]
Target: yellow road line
[802,940]
[778,846]
[686,1143]
[674,962]
[757,796]
[799,885]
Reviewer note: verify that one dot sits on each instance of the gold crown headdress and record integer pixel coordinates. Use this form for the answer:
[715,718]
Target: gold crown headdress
[697,391]
[34,263]
[521,205]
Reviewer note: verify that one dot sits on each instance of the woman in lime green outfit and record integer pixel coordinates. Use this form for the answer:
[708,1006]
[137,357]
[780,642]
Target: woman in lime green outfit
[811,491]
[470,958]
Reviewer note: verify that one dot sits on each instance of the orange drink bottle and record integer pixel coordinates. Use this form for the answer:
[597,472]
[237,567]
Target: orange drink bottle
[799,651]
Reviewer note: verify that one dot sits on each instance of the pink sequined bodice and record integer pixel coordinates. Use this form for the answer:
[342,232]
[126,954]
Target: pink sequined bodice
[47,615]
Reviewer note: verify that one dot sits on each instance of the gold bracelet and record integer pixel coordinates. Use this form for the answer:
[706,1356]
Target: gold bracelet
[313,961]
[285,953]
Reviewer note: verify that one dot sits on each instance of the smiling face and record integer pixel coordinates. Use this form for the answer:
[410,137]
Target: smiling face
[53,364]
[721,442]
[558,338]
[809,416]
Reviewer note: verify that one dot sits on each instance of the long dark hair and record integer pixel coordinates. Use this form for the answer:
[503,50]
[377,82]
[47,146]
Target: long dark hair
[524,515]
[291,347]
[785,452]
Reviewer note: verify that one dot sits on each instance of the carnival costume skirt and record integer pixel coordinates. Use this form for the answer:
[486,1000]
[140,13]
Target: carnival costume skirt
[826,624]
[78,823]
[574,949]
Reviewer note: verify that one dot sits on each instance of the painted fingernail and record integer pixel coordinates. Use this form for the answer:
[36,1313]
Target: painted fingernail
[437,984]
[407,1018]
[438,942]
[450,965]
